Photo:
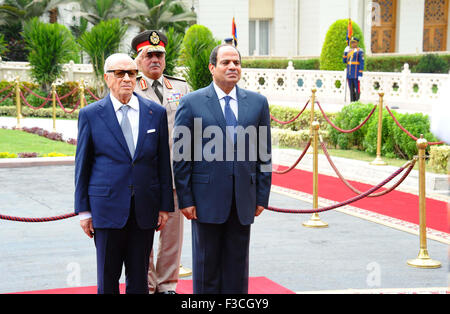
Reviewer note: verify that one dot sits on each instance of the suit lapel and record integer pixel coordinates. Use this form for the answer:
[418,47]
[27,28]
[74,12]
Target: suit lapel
[214,106]
[145,117]
[243,106]
[106,112]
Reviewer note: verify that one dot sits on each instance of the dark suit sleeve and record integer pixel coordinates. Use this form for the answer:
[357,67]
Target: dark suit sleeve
[165,171]
[83,163]
[182,154]
[264,165]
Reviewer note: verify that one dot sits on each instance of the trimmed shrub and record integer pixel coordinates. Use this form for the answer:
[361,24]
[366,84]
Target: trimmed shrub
[294,139]
[197,46]
[335,43]
[348,118]
[431,63]
[439,156]
[283,113]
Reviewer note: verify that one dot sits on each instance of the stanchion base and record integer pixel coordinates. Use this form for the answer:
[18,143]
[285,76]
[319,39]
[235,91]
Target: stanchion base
[315,222]
[184,272]
[378,162]
[423,261]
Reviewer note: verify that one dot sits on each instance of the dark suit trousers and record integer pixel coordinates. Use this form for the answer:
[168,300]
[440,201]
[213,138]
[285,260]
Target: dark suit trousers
[220,256]
[115,247]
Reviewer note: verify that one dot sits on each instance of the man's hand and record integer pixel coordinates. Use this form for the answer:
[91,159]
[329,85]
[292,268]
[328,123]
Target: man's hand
[140,56]
[259,210]
[162,220]
[190,212]
[87,226]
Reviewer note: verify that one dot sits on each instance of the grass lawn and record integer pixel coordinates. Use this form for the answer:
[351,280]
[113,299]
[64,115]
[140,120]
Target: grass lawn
[15,141]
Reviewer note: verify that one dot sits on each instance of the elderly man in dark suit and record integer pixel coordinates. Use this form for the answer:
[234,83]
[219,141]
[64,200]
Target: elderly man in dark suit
[123,180]
[222,170]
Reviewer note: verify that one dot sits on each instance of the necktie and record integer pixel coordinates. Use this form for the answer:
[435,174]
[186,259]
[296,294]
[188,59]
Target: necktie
[126,128]
[230,118]
[155,86]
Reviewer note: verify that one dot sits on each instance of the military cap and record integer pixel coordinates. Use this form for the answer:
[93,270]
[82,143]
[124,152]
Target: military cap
[154,39]
[354,39]
[228,40]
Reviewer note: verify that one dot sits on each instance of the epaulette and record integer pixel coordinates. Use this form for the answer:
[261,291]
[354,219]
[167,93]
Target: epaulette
[174,78]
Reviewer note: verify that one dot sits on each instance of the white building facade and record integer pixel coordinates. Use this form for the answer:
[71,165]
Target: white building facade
[290,28]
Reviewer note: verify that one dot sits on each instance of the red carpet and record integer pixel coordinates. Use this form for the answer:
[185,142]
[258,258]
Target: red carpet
[395,204]
[257,285]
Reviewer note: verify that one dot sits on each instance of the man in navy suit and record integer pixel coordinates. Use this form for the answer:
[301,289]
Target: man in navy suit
[123,180]
[222,170]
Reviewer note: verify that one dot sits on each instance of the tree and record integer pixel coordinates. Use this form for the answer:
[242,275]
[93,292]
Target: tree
[173,50]
[49,46]
[335,43]
[197,46]
[100,42]
[160,14]
[12,15]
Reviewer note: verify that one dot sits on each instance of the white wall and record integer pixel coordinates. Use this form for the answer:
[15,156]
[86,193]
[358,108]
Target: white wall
[284,28]
[218,16]
[410,23]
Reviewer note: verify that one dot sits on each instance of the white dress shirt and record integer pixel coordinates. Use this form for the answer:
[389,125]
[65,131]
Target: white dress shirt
[233,101]
[133,116]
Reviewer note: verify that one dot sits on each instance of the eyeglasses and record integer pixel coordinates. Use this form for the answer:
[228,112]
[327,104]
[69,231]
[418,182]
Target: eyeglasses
[121,73]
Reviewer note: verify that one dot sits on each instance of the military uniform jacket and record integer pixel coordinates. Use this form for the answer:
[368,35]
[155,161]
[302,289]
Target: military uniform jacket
[172,90]
[354,58]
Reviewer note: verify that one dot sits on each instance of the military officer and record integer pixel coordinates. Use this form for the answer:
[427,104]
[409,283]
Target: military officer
[166,91]
[354,58]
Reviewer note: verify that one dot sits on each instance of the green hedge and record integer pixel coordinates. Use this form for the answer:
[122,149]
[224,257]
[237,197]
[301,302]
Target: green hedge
[395,142]
[308,64]
[439,156]
[283,113]
[372,63]
[10,111]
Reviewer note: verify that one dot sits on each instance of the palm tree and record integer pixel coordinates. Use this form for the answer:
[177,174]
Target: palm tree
[95,11]
[160,14]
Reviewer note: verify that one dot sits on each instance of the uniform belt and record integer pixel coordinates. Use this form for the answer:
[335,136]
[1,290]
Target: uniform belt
[354,63]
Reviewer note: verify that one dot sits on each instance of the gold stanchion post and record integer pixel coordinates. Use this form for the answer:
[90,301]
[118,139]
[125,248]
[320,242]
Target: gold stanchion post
[184,272]
[311,119]
[314,221]
[82,104]
[54,106]
[423,260]
[18,105]
[378,161]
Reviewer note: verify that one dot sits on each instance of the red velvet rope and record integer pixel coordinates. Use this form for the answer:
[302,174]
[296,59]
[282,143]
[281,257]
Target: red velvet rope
[296,162]
[351,200]
[92,94]
[1,91]
[7,96]
[342,130]
[34,108]
[293,119]
[406,131]
[43,219]
[62,107]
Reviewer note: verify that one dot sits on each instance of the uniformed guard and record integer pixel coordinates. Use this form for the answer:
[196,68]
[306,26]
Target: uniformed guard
[166,91]
[354,58]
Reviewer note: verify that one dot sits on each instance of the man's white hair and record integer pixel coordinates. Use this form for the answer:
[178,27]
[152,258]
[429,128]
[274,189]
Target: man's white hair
[112,59]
